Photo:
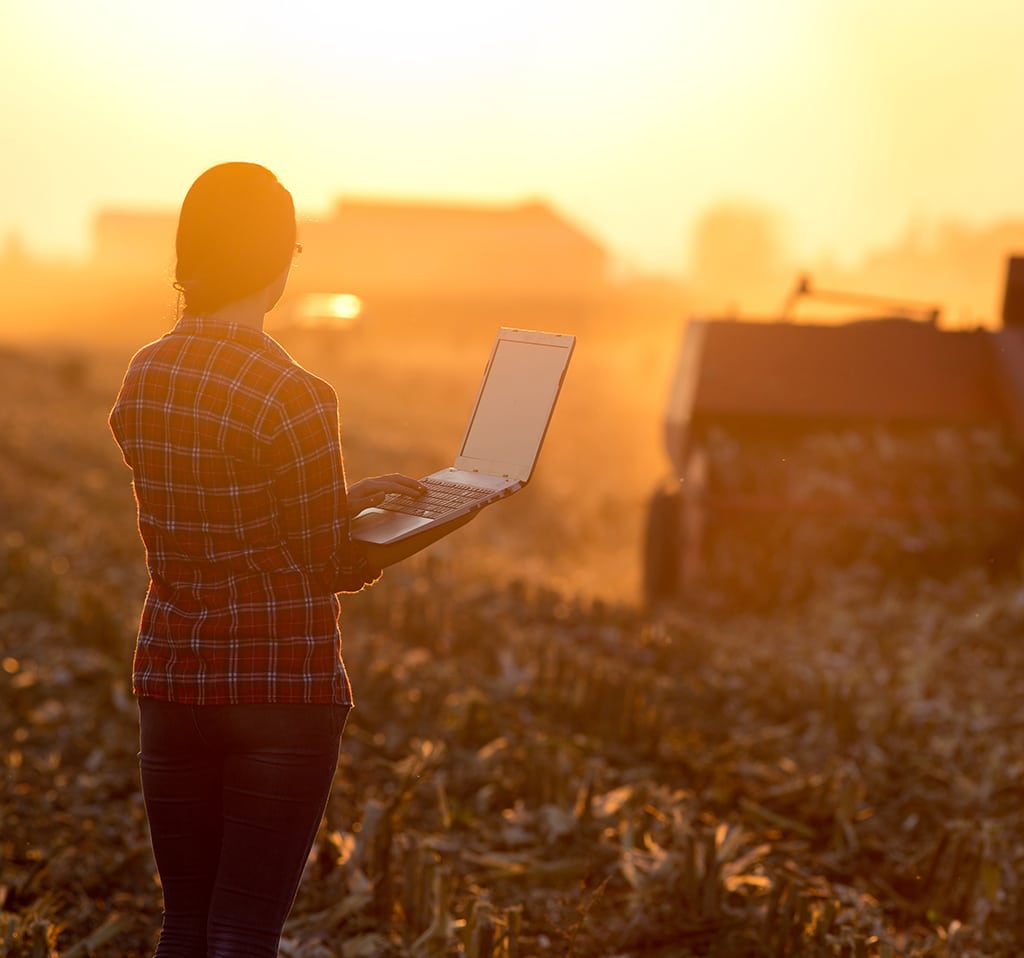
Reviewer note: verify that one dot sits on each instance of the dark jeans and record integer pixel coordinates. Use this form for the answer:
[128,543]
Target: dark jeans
[234,796]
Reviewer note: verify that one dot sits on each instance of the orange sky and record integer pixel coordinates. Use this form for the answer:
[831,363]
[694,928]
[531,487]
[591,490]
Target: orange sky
[853,118]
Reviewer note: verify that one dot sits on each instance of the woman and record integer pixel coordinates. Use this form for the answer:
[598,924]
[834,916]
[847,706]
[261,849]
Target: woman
[244,512]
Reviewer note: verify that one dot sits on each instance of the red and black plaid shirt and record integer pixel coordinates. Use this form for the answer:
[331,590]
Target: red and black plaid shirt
[238,476]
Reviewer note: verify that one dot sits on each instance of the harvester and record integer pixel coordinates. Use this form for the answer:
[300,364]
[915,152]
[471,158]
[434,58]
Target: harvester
[880,446]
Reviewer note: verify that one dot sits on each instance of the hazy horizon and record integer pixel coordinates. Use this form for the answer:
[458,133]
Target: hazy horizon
[854,123]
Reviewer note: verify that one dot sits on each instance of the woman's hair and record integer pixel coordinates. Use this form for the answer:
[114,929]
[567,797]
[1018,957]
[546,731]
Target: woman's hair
[236,233]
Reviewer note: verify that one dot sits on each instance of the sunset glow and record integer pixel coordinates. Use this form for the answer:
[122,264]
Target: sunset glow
[738,671]
[853,120]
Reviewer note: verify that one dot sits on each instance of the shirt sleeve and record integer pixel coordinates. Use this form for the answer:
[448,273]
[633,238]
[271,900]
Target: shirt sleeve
[306,461]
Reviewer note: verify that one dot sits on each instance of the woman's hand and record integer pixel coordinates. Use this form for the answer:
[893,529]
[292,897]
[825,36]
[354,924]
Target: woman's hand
[371,492]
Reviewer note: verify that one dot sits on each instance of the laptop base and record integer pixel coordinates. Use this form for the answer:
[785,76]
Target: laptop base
[382,555]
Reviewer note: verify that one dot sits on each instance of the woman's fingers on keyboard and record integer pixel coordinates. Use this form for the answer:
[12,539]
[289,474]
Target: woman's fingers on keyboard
[392,483]
[404,484]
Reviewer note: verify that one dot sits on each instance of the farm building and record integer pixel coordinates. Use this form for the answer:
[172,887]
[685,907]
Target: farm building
[133,242]
[375,249]
[524,251]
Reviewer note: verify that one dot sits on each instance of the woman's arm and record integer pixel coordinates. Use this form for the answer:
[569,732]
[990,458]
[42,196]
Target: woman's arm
[313,508]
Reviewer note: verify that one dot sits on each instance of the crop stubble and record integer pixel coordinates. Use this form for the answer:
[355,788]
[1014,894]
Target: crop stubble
[535,766]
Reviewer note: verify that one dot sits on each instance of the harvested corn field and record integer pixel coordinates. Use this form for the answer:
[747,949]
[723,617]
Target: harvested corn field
[535,767]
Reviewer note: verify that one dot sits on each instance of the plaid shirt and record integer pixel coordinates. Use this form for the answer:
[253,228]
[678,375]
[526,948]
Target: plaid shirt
[238,477]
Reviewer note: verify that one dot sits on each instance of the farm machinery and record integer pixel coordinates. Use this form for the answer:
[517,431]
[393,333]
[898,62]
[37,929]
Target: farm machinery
[881,446]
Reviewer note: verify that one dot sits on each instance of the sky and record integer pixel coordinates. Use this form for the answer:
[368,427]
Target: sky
[853,120]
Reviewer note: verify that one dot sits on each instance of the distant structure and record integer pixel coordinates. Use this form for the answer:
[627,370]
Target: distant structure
[380,249]
[523,251]
[134,242]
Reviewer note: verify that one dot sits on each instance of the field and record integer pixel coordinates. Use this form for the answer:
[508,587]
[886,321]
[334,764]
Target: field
[536,766]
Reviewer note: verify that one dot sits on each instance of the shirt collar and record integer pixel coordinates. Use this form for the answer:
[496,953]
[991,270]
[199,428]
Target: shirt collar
[220,329]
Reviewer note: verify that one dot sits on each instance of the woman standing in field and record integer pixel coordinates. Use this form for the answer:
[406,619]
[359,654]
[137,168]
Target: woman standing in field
[244,512]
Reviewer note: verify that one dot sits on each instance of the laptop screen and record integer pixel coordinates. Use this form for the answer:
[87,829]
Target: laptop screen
[515,403]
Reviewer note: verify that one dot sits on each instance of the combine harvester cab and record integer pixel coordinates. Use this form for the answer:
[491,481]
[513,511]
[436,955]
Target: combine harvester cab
[800,451]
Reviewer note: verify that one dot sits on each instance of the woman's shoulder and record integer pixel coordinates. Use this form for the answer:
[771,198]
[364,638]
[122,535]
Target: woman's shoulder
[294,380]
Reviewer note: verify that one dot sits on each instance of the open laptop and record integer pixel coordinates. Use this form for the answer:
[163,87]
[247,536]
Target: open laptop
[498,452]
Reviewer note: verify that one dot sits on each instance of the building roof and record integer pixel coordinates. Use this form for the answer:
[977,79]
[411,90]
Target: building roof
[400,215]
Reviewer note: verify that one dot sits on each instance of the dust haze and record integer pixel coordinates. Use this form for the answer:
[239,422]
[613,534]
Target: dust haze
[431,283]
[533,751]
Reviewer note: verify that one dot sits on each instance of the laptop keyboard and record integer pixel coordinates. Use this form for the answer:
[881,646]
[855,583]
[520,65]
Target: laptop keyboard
[440,498]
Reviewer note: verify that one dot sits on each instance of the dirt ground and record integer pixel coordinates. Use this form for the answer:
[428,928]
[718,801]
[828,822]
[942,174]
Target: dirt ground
[536,765]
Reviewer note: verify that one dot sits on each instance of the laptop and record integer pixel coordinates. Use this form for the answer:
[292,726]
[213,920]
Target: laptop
[497,455]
